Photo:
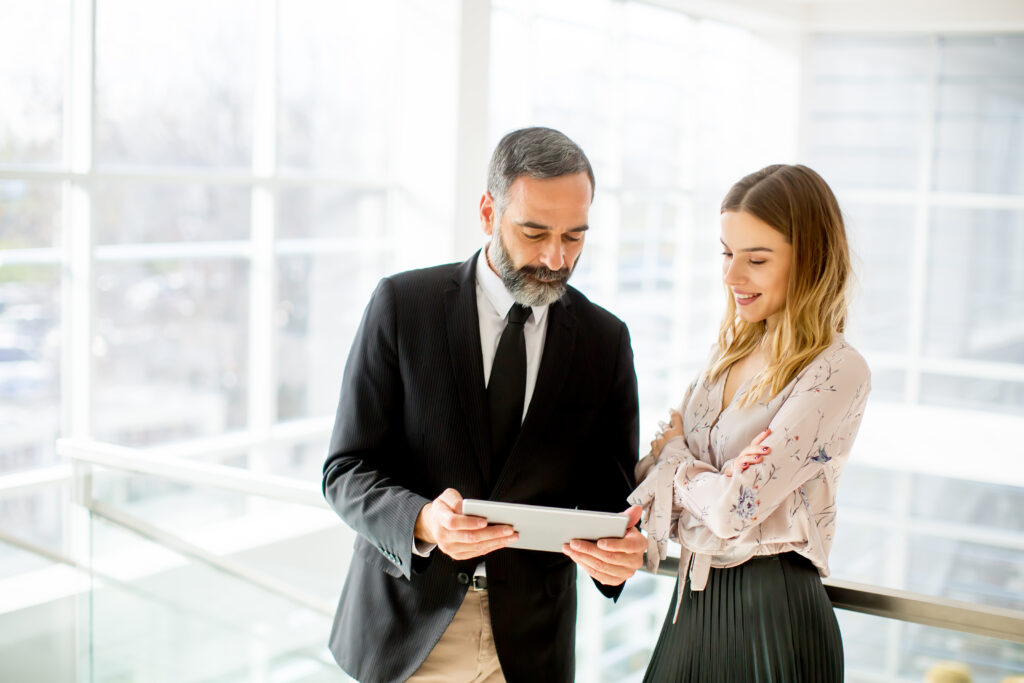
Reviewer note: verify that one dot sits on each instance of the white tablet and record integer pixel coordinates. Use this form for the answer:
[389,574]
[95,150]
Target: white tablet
[546,528]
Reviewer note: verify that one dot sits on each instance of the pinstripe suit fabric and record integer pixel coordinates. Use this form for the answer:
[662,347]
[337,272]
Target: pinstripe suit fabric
[412,420]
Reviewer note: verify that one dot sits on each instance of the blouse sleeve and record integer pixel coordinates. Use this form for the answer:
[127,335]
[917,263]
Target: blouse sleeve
[811,432]
[656,473]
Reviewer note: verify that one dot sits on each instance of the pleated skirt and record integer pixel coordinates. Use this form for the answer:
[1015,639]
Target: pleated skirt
[767,620]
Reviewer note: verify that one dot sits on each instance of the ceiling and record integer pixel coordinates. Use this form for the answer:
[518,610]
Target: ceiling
[929,16]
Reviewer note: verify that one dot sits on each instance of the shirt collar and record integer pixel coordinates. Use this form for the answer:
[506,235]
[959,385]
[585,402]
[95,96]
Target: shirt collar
[495,292]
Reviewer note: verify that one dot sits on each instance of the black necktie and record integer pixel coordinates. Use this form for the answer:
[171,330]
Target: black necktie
[506,390]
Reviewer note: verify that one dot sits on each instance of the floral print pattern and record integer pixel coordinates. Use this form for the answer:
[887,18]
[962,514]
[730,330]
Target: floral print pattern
[786,502]
[746,506]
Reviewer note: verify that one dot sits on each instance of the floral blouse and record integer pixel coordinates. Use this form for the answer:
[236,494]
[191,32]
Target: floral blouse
[785,503]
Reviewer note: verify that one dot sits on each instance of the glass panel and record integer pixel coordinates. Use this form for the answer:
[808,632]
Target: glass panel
[975,300]
[152,614]
[30,365]
[171,350]
[980,117]
[303,461]
[885,649]
[37,517]
[572,98]
[338,65]
[329,212]
[973,393]
[881,244]
[33,57]
[866,105]
[870,489]
[175,82]
[140,212]
[614,641]
[887,385]
[321,301]
[30,214]
[939,536]
[973,572]
[38,643]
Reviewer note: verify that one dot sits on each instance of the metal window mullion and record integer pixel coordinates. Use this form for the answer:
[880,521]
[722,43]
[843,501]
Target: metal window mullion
[594,656]
[78,243]
[262,372]
[922,217]
[611,233]
[686,255]
[78,296]
[472,113]
[196,176]
[43,256]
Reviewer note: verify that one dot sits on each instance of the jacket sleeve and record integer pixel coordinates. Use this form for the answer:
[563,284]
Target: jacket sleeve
[615,443]
[367,439]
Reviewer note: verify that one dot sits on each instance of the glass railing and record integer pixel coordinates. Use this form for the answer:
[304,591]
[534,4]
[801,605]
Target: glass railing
[190,569]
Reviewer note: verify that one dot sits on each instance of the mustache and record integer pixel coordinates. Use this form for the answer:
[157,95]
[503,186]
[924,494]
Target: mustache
[546,275]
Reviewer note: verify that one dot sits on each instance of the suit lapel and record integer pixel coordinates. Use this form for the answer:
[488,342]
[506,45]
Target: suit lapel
[463,325]
[554,368]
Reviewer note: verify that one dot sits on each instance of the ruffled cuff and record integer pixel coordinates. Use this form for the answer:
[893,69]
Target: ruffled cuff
[655,494]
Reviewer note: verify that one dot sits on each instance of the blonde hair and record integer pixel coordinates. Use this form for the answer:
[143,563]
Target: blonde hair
[798,203]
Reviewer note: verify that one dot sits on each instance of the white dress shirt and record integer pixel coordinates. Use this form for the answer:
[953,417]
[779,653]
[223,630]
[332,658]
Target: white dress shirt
[493,302]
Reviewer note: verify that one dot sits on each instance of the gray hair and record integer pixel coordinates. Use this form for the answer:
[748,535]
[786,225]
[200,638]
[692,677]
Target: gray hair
[537,153]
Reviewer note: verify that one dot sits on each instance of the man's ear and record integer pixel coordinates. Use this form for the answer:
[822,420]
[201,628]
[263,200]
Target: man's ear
[487,213]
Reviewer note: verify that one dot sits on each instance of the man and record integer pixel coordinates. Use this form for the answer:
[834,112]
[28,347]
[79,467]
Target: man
[489,379]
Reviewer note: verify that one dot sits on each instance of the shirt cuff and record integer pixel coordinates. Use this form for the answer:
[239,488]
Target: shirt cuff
[422,548]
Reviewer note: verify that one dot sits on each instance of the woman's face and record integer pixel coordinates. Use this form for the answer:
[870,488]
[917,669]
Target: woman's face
[755,266]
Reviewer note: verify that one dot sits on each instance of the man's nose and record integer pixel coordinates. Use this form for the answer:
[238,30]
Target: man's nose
[553,255]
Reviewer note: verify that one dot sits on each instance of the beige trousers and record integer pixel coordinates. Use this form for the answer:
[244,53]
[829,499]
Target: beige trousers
[465,653]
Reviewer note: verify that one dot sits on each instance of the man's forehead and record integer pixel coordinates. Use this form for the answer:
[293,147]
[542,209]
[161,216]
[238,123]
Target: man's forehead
[574,185]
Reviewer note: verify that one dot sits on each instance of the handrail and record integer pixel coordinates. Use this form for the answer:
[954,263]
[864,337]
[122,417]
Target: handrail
[917,608]
[225,564]
[192,472]
[31,480]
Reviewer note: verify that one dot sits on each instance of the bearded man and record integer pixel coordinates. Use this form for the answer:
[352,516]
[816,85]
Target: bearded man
[488,379]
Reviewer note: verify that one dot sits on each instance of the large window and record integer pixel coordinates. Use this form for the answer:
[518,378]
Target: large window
[923,140]
[196,200]
[921,137]
[660,102]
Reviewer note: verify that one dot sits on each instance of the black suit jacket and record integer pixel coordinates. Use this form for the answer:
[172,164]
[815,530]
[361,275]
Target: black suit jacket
[412,421]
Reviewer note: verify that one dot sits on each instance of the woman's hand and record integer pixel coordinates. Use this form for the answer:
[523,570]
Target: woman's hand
[673,429]
[751,455]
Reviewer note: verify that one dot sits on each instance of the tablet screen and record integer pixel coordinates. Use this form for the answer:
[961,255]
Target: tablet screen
[547,528]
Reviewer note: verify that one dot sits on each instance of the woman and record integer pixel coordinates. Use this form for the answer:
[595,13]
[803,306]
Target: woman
[745,475]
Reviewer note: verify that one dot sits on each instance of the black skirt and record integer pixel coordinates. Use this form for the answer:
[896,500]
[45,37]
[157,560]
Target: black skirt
[767,620]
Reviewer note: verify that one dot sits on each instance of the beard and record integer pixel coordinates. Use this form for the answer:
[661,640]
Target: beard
[528,285]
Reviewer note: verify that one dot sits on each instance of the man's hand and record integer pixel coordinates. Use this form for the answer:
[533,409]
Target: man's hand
[459,536]
[611,560]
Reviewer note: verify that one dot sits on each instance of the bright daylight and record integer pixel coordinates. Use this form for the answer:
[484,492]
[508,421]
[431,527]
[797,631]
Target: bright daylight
[609,341]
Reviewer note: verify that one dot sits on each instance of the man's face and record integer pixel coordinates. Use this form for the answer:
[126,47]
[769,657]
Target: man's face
[538,240]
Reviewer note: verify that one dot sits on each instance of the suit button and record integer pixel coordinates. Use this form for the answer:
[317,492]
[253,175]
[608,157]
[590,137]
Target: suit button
[463,578]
